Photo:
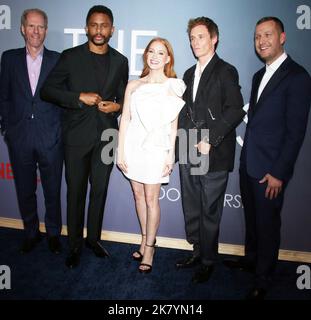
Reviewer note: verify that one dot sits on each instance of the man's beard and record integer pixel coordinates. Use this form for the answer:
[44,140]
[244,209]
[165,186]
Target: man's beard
[99,43]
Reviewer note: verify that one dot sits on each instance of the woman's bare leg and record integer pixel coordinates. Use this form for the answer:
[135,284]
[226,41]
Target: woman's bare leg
[141,210]
[152,192]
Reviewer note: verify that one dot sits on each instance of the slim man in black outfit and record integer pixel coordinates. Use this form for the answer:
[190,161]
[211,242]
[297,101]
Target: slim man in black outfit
[214,102]
[89,81]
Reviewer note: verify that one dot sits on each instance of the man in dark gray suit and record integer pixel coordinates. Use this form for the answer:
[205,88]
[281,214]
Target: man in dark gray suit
[213,102]
[32,129]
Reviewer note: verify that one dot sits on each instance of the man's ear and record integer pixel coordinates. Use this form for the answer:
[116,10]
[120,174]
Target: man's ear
[283,38]
[112,30]
[214,40]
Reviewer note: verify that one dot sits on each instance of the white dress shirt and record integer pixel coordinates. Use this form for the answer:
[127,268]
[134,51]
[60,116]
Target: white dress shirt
[270,69]
[197,76]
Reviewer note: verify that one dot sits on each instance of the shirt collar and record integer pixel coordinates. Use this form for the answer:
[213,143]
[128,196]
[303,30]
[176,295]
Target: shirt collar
[201,68]
[276,64]
[40,54]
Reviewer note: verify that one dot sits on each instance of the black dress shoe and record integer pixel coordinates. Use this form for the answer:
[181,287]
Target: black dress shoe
[203,274]
[97,248]
[73,259]
[54,245]
[256,294]
[189,262]
[240,265]
[30,243]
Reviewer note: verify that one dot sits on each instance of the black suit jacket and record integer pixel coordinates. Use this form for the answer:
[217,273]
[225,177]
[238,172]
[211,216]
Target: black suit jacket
[277,122]
[17,104]
[218,106]
[73,74]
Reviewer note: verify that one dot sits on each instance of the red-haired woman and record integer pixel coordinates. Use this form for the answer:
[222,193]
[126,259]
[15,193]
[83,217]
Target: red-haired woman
[147,136]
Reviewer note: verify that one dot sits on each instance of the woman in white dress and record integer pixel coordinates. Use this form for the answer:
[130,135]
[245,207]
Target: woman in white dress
[147,137]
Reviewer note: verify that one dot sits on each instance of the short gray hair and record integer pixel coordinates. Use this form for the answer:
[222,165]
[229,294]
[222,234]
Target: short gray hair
[36,10]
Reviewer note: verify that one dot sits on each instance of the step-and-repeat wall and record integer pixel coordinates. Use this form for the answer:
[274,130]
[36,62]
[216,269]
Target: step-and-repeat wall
[136,22]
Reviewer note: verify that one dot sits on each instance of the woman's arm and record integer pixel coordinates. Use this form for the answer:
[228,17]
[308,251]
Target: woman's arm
[124,122]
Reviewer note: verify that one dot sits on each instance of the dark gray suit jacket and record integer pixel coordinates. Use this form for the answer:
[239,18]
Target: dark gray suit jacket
[73,74]
[218,106]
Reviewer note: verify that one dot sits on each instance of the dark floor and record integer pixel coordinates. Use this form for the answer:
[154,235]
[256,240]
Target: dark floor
[42,275]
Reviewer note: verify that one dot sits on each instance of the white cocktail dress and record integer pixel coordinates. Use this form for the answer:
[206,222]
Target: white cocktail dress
[153,107]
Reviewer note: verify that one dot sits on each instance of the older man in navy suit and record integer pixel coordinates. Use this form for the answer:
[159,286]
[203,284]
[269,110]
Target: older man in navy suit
[277,121]
[31,129]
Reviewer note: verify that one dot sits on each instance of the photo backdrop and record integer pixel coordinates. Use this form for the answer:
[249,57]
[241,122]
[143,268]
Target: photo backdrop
[136,22]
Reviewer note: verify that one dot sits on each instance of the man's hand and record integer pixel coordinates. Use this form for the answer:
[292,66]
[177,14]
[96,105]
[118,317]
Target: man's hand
[203,147]
[167,170]
[90,98]
[108,106]
[274,186]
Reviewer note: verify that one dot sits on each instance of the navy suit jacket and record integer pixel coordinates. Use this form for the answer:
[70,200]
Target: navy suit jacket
[19,109]
[277,122]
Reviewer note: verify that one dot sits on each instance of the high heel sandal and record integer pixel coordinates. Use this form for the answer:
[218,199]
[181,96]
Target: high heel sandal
[139,256]
[149,266]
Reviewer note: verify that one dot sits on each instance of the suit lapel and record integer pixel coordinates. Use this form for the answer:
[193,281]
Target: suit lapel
[206,76]
[112,68]
[277,77]
[190,88]
[24,71]
[43,70]
[255,87]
